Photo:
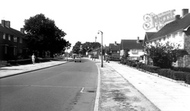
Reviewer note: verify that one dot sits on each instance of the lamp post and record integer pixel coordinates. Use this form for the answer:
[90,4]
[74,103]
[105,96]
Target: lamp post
[95,38]
[101,47]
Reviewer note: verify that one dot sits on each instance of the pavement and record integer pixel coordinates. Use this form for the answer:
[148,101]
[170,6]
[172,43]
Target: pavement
[21,69]
[125,88]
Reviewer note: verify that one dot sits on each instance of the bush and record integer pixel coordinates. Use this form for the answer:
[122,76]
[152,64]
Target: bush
[28,61]
[19,62]
[150,68]
[188,79]
[180,76]
[167,73]
[140,65]
[38,59]
[131,63]
[176,75]
[183,69]
[123,61]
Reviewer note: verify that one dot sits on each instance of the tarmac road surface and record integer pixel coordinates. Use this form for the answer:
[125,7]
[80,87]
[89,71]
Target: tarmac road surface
[67,87]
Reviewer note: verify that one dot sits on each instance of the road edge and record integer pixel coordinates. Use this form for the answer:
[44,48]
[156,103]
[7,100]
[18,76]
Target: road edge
[96,105]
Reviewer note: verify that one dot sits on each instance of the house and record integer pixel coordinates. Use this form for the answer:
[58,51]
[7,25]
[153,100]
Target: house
[12,44]
[114,51]
[148,36]
[134,47]
[176,32]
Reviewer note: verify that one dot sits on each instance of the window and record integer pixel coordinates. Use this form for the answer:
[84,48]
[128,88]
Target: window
[9,37]
[20,40]
[4,36]
[134,51]
[5,49]
[14,51]
[15,39]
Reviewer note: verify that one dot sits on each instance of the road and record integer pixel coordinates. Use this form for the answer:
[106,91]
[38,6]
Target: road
[67,87]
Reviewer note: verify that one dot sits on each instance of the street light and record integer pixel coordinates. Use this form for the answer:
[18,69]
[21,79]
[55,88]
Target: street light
[101,47]
[95,38]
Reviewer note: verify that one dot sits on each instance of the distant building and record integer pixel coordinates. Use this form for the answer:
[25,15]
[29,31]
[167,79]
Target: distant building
[114,51]
[176,32]
[135,48]
[12,44]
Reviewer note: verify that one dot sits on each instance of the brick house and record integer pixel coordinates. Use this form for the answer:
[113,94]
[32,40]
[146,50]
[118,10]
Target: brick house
[12,44]
[176,32]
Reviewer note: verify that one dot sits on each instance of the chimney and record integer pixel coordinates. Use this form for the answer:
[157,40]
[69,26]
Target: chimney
[3,23]
[177,17]
[184,12]
[137,39]
[22,30]
[7,24]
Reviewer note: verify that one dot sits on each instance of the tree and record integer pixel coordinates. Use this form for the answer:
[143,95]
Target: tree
[89,46]
[76,47]
[163,55]
[43,35]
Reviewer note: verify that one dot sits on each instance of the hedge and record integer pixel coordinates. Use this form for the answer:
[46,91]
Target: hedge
[183,69]
[149,68]
[167,73]
[176,75]
[28,61]
[179,74]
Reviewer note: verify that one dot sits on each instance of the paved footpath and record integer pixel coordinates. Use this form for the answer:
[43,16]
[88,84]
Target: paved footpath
[117,94]
[166,94]
[15,70]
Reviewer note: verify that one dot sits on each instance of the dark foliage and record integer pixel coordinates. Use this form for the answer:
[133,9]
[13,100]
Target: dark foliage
[43,35]
[183,69]
[164,55]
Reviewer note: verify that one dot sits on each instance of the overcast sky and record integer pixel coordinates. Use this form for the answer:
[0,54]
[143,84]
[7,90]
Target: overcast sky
[81,19]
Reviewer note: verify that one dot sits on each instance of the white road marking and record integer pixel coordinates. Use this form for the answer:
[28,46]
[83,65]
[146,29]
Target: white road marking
[82,89]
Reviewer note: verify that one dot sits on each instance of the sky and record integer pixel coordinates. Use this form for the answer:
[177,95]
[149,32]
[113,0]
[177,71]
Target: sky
[82,19]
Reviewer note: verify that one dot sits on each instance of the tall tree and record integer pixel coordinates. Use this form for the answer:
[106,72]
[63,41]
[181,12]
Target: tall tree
[43,35]
[77,47]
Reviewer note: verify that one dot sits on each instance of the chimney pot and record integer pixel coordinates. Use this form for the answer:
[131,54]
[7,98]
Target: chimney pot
[177,17]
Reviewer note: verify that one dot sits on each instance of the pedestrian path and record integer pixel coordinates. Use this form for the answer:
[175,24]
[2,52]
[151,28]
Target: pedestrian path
[15,70]
[117,94]
[167,95]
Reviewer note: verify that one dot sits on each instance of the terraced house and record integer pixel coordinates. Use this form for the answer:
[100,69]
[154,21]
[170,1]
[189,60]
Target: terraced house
[12,44]
[176,32]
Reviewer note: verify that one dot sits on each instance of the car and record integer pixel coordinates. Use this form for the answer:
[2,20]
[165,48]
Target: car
[77,58]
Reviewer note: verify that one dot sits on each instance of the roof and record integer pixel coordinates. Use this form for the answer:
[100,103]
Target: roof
[131,44]
[114,47]
[171,27]
[11,31]
[148,36]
